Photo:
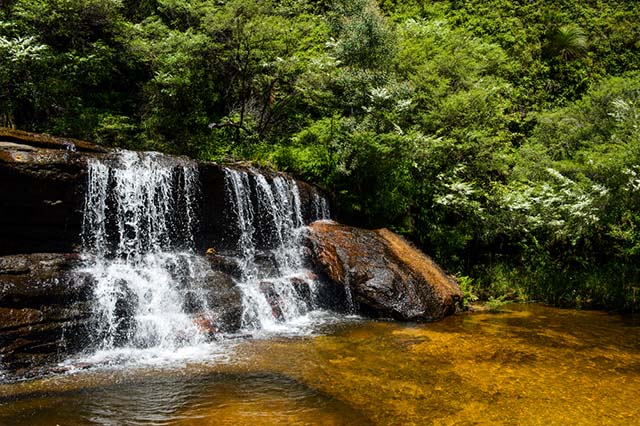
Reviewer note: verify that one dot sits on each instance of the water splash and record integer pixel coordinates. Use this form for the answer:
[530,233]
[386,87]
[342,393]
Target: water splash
[138,238]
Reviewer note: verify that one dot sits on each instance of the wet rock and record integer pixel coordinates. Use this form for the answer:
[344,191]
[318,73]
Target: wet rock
[223,301]
[385,275]
[44,309]
[266,262]
[41,199]
[273,298]
[206,324]
[226,264]
[125,308]
[302,288]
[41,279]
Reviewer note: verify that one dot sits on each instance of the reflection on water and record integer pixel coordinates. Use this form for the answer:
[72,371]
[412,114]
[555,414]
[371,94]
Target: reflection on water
[527,366]
[180,398]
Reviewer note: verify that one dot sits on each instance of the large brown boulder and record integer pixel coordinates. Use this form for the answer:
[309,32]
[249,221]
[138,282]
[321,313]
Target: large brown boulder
[385,275]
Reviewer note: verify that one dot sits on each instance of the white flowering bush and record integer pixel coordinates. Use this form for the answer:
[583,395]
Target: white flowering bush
[458,194]
[633,182]
[18,55]
[20,49]
[559,207]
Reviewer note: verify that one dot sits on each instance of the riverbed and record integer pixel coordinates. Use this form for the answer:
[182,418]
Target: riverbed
[527,365]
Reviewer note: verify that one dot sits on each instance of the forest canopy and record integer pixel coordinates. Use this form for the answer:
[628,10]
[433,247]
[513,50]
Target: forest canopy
[501,136]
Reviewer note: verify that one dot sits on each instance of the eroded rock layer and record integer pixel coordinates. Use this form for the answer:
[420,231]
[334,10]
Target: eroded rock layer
[44,308]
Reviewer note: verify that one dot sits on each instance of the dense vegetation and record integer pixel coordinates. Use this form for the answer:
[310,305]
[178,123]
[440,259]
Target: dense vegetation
[502,136]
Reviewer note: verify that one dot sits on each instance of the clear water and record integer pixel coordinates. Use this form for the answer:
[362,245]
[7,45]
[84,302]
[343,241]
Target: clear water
[530,365]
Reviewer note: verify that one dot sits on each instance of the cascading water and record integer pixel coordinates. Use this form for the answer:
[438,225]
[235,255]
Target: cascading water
[152,292]
[321,207]
[278,291]
[138,240]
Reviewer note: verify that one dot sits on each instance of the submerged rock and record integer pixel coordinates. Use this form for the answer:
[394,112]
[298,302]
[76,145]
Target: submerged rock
[385,274]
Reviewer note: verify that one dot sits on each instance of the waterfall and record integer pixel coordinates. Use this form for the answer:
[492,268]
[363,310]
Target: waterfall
[277,288]
[154,293]
[151,199]
[321,207]
[237,185]
[137,237]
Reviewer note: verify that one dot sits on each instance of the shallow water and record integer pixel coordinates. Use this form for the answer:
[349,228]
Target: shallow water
[529,365]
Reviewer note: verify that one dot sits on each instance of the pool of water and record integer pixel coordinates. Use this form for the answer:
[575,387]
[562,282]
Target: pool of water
[529,365]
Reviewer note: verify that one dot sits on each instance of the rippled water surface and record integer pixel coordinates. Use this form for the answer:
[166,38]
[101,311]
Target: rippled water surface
[529,365]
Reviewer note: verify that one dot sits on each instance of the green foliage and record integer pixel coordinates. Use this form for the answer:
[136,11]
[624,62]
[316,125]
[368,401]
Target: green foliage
[500,136]
[467,286]
[363,38]
[68,24]
[76,75]
[568,42]
[21,58]
[495,305]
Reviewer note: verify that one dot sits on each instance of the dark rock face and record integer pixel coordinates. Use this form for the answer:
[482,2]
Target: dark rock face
[41,199]
[385,274]
[44,308]
[224,299]
[44,305]
[42,192]
[216,219]
[223,310]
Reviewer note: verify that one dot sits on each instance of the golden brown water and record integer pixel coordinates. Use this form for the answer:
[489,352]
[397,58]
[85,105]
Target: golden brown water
[531,365]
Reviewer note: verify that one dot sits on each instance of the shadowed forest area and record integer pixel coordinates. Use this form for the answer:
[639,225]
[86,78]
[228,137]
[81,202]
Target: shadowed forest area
[503,137]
